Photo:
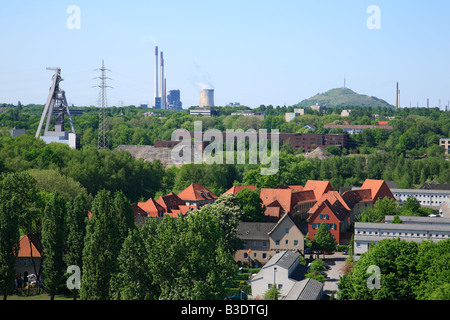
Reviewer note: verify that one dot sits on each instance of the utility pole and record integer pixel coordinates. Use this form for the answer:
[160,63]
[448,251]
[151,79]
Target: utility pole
[102,136]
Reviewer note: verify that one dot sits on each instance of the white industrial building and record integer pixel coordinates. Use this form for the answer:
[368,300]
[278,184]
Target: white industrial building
[416,229]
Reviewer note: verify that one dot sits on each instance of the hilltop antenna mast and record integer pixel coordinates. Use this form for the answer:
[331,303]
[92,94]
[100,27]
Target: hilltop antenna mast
[102,137]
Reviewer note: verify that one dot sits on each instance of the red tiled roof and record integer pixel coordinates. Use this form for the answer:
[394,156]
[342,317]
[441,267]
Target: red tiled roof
[383,123]
[285,198]
[352,197]
[319,187]
[138,210]
[293,188]
[24,248]
[170,202]
[153,208]
[236,189]
[378,189]
[196,192]
[332,197]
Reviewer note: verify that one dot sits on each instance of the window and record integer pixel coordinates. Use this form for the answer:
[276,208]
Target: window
[286,231]
[287,242]
[255,243]
[264,255]
[264,244]
[295,242]
[277,242]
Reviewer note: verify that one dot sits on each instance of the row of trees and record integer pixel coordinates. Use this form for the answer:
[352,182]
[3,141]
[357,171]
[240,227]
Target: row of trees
[407,271]
[189,258]
[94,170]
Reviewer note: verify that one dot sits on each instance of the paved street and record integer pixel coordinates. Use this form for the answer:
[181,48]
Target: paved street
[336,262]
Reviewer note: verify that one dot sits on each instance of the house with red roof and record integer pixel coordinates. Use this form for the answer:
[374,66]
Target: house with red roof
[332,210]
[319,187]
[197,195]
[378,188]
[152,208]
[281,201]
[29,258]
[236,189]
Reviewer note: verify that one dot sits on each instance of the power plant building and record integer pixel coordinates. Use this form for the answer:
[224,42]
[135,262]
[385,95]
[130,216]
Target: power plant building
[207,98]
[174,101]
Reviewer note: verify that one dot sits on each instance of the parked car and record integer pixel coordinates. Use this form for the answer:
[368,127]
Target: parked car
[238,296]
[307,250]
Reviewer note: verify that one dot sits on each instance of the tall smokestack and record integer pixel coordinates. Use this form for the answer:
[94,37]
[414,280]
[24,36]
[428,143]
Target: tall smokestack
[163,103]
[396,101]
[156,75]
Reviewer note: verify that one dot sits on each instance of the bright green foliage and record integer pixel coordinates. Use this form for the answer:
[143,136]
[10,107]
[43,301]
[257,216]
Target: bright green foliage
[409,271]
[101,248]
[53,242]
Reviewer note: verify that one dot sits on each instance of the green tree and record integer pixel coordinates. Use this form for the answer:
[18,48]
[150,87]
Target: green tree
[77,214]
[252,206]
[324,239]
[381,208]
[133,281]
[124,215]
[9,237]
[272,293]
[101,248]
[53,242]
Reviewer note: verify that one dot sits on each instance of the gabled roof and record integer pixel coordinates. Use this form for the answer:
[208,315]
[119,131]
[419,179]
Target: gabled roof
[319,187]
[378,188]
[138,210]
[170,202]
[153,208]
[293,188]
[24,247]
[288,216]
[285,198]
[332,197]
[307,289]
[337,208]
[236,189]
[196,192]
[352,197]
[254,230]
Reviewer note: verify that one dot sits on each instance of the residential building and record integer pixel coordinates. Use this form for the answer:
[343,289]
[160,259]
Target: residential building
[282,270]
[263,239]
[378,188]
[428,198]
[319,108]
[434,186]
[255,236]
[29,258]
[318,187]
[355,129]
[197,196]
[307,289]
[236,189]
[445,142]
[280,201]
[346,113]
[416,229]
[331,210]
[249,113]
[339,211]
[289,116]
[287,235]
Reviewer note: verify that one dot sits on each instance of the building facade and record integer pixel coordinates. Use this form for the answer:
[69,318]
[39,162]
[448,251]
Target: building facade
[416,229]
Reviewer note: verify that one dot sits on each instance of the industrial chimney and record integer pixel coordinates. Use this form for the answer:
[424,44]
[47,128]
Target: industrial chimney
[156,76]
[163,101]
[207,98]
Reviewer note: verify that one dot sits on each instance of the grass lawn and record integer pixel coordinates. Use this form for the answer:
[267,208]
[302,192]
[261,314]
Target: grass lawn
[43,296]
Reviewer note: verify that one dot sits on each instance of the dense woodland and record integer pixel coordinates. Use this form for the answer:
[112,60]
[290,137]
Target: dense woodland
[47,189]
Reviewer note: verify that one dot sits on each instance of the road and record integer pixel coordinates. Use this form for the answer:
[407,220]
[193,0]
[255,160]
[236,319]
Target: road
[336,262]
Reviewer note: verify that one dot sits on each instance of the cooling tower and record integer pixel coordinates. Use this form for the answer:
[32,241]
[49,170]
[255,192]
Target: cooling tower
[207,98]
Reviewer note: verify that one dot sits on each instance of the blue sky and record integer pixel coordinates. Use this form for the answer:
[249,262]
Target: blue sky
[253,52]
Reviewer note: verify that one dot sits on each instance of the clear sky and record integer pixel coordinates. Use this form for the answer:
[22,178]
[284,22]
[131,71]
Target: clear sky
[253,52]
